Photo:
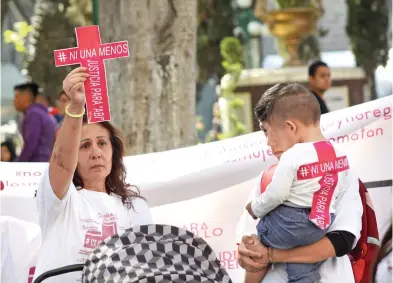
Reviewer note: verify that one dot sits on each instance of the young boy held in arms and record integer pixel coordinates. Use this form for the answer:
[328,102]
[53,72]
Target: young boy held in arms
[299,204]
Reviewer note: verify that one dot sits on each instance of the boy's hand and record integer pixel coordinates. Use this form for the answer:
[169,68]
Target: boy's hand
[249,209]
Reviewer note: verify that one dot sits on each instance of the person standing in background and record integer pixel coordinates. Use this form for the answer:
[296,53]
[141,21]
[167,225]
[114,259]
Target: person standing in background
[62,102]
[53,111]
[8,152]
[38,127]
[319,81]
[43,99]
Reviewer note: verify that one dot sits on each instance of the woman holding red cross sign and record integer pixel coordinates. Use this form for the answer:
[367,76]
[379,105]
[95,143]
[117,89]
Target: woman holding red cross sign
[84,198]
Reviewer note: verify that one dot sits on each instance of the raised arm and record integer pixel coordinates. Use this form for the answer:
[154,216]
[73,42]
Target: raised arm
[65,153]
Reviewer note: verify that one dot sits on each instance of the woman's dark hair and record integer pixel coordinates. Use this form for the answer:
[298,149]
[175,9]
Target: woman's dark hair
[116,181]
[11,148]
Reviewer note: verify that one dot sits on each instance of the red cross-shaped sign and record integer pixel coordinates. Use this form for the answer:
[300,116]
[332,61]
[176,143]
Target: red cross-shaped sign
[91,54]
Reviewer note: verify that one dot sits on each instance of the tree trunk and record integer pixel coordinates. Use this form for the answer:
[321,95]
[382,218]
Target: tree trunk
[372,84]
[152,93]
[4,9]
[52,31]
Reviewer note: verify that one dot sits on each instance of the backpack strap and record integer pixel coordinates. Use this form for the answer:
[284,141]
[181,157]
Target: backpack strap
[365,253]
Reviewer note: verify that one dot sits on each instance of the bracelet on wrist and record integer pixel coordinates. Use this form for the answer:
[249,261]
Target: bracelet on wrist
[75,115]
[270,255]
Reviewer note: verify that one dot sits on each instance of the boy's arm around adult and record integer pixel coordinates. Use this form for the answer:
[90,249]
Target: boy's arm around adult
[279,188]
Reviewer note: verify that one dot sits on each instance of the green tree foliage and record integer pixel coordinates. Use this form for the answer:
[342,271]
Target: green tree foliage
[4,9]
[232,54]
[18,36]
[80,12]
[52,30]
[216,21]
[296,3]
[367,28]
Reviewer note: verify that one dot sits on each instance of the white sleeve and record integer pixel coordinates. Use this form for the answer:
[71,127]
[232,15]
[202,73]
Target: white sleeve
[48,205]
[140,213]
[20,241]
[349,210]
[278,189]
[246,225]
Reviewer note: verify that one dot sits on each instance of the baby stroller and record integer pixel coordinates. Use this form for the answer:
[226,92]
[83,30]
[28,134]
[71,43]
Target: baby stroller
[149,253]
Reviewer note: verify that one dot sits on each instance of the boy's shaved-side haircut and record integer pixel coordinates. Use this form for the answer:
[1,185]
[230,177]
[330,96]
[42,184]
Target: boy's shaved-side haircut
[286,102]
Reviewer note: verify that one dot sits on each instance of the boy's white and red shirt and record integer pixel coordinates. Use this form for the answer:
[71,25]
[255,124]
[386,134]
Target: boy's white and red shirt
[348,211]
[309,175]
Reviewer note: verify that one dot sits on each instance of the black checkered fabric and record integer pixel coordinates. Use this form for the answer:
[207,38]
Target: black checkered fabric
[154,253]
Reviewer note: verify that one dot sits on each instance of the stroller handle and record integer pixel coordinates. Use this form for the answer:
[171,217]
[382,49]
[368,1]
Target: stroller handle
[59,271]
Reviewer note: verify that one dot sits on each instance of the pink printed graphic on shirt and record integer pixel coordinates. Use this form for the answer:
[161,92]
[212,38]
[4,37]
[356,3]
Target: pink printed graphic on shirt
[320,168]
[327,167]
[31,274]
[93,237]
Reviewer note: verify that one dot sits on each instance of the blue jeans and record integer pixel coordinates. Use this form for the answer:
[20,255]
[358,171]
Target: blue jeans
[288,227]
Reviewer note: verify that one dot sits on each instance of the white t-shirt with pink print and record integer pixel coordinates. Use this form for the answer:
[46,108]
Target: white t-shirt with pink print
[72,227]
[309,175]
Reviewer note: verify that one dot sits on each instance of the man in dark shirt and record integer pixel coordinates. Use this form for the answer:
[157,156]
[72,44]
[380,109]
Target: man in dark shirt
[38,127]
[319,81]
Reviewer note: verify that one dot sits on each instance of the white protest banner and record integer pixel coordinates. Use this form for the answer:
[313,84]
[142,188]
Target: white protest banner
[204,188]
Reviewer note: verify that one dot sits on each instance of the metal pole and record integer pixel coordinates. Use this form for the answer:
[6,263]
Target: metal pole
[95,12]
